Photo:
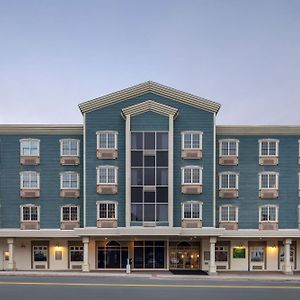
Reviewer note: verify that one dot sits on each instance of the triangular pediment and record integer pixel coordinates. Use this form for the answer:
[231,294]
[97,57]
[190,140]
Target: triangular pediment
[149,87]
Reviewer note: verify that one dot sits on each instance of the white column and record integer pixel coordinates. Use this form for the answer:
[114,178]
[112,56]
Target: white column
[170,172]
[212,263]
[11,263]
[287,267]
[86,265]
[168,254]
[127,171]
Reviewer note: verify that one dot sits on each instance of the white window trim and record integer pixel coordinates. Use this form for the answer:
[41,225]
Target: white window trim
[70,205]
[61,180]
[30,205]
[228,206]
[29,188]
[31,140]
[191,167]
[107,131]
[107,202]
[299,213]
[191,202]
[227,141]
[107,166]
[267,221]
[228,173]
[268,173]
[299,148]
[269,140]
[69,140]
[191,132]
[299,181]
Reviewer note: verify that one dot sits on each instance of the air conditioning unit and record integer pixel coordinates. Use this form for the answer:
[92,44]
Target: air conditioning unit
[107,224]
[107,189]
[107,154]
[69,225]
[268,161]
[191,189]
[69,160]
[268,226]
[70,193]
[228,193]
[29,160]
[28,193]
[229,225]
[228,160]
[30,225]
[191,223]
[268,194]
[191,154]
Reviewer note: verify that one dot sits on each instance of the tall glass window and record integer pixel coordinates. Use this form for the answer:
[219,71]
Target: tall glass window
[149,177]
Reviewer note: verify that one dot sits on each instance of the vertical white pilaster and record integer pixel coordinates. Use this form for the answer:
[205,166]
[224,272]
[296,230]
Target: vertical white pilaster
[86,265]
[127,170]
[11,262]
[170,170]
[287,267]
[168,254]
[212,263]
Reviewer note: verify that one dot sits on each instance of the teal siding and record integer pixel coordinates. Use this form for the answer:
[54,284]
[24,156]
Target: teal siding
[249,169]
[49,170]
[189,118]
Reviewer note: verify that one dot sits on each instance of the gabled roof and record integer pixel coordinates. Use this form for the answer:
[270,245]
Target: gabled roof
[150,105]
[149,87]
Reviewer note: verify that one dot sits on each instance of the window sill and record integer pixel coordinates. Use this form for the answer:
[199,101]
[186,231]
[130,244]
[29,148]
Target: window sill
[191,189]
[230,160]
[107,153]
[69,225]
[29,160]
[107,189]
[228,193]
[191,153]
[268,160]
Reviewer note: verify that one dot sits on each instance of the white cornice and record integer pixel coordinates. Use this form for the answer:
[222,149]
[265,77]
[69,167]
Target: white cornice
[149,87]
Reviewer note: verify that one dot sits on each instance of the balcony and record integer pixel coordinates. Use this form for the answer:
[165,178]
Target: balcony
[30,160]
[191,154]
[107,153]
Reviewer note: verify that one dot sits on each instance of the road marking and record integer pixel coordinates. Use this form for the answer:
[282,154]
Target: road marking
[150,285]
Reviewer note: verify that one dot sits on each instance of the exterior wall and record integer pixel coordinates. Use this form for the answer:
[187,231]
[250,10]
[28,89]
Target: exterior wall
[49,170]
[239,264]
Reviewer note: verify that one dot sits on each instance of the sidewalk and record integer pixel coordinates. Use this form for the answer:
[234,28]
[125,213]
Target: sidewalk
[222,276]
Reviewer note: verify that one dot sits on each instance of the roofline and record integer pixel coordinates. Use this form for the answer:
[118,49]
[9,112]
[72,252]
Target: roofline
[41,129]
[258,130]
[148,87]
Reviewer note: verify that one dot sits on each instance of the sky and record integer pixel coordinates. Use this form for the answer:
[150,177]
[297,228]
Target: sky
[242,54]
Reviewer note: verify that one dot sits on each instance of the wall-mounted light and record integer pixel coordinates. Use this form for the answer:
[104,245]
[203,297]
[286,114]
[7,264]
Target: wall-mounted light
[6,255]
[23,246]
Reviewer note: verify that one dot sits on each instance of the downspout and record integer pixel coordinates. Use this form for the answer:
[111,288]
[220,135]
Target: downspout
[84,172]
[214,173]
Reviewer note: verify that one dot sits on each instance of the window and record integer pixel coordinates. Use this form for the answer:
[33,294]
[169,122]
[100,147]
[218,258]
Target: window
[30,213]
[229,147]
[76,253]
[192,175]
[70,213]
[106,210]
[268,213]
[192,140]
[69,147]
[228,180]
[192,210]
[268,180]
[107,175]
[221,253]
[69,180]
[268,147]
[228,213]
[30,147]
[30,180]
[107,140]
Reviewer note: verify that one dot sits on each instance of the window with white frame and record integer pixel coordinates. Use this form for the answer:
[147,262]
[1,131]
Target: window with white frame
[69,147]
[229,147]
[192,175]
[69,180]
[30,147]
[107,175]
[107,140]
[192,210]
[70,213]
[30,213]
[268,213]
[268,147]
[268,180]
[228,213]
[228,180]
[106,210]
[192,140]
[29,180]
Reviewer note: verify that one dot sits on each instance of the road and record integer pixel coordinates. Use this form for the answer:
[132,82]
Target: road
[64,288]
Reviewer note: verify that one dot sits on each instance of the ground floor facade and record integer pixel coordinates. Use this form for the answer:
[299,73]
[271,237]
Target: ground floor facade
[112,252]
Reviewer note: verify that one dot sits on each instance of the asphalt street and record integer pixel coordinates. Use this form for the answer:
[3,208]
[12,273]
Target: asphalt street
[46,288]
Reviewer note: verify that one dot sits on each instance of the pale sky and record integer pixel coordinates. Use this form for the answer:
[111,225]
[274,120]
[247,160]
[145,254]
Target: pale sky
[244,54]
